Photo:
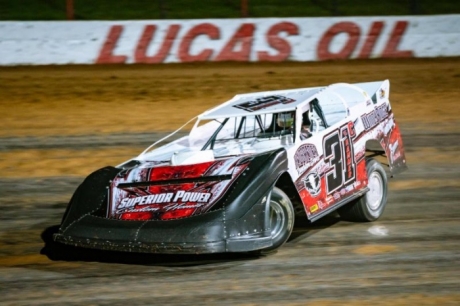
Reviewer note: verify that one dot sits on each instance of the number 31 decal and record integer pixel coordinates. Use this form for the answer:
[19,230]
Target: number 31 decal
[339,155]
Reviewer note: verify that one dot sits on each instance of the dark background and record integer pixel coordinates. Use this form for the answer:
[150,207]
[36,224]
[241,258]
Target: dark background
[189,9]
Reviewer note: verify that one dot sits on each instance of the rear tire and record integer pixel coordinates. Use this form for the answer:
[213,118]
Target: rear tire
[370,206]
[280,217]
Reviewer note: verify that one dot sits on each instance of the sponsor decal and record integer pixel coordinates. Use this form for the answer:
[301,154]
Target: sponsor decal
[242,40]
[142,209]
[348,154]
[179,42]
[165,201]
[321,204]
[304,156]
[388,126]
[367,42]
[182,206]
[351,129]
[314,208]
[263,102]
[312,183]
[393,147]
[374,117]
[167,197]
[336,196]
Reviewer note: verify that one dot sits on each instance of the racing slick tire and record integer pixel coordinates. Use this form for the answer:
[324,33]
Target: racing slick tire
[280,217]
[370,206]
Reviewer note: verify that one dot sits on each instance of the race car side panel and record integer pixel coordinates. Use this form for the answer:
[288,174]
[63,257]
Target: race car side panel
[246,206]
[330,173]
[256,180]
[239,222]
[239,219]
[332,166]
[393,145]
[378,123]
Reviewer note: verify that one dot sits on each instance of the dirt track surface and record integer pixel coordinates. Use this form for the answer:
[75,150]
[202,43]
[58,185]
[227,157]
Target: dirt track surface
[60,123]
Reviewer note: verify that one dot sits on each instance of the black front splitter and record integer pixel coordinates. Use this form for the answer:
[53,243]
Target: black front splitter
[140,247]
[186,236]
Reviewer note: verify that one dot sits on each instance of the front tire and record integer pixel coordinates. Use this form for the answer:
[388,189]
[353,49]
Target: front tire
[280,217]
[370,206]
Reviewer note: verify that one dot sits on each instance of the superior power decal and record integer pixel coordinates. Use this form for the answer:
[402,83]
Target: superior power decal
[160,192]
[180,196]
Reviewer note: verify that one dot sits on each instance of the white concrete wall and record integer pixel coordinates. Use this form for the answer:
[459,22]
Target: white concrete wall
[262,39]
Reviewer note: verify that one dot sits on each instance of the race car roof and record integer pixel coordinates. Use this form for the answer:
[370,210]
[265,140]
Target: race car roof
[283,100]
[261,103]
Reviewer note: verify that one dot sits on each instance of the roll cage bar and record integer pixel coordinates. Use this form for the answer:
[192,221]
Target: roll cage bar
[271,131]
[314,105]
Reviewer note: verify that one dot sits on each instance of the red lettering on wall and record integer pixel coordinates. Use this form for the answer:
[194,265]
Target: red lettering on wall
[140,55]
[323,52]
[371,38]
[393,42]
[279,44]
[106,55]
[243,39]
[201,29]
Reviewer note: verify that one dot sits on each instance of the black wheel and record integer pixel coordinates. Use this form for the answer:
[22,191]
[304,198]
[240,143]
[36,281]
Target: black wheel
[370,206]
[280,217]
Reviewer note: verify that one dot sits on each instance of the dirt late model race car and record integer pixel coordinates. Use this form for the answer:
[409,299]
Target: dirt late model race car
[244,173]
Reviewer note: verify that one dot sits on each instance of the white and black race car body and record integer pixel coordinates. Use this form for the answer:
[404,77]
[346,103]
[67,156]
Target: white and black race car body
[245,171]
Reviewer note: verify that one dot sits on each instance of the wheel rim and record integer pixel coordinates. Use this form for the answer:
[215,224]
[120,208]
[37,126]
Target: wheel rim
[277,218]
[375,193]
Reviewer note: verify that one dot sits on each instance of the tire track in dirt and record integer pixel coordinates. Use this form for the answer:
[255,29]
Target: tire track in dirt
[408,257]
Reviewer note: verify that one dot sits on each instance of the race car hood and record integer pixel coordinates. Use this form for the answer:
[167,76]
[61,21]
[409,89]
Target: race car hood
[158,191]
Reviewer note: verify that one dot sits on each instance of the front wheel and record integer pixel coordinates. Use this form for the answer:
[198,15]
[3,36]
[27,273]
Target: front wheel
[370,206]
[280,217]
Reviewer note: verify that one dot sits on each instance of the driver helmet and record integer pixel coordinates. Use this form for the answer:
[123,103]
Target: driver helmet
[285,120]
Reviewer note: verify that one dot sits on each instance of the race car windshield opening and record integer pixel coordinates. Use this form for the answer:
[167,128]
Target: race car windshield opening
[230,129]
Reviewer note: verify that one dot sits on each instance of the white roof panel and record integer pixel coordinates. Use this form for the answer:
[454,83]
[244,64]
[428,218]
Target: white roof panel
[286,100]
[261,103]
